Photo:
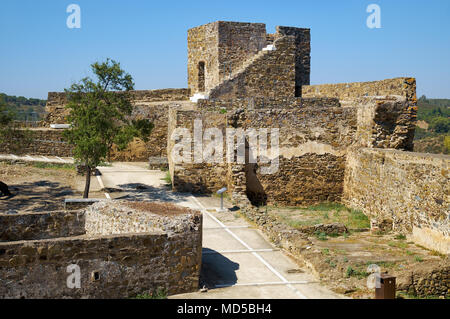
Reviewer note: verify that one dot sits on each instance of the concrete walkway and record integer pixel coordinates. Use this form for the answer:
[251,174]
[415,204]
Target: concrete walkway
[238,262]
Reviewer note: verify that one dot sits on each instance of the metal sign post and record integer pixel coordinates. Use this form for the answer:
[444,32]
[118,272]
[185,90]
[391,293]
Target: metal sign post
[220,192]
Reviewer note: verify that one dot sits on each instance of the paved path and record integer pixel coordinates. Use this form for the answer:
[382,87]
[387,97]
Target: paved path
[238,262]
[37,158]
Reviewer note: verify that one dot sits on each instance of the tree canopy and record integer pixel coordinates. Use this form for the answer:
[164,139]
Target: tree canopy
[100,111]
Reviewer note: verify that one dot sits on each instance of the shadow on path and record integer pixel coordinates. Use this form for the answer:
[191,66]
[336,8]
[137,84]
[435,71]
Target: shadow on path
[39,196]
[217,269]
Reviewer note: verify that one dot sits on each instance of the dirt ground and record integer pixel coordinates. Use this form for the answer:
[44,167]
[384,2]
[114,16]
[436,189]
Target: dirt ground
[342,260]
[38,187]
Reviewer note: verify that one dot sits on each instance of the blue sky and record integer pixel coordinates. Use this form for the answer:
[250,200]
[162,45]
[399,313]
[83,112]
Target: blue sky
[38,53]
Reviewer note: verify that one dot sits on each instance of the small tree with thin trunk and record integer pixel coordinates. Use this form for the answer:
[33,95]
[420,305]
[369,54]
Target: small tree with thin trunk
[100,116]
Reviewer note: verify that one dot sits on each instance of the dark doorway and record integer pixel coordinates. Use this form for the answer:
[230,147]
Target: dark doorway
[201,76]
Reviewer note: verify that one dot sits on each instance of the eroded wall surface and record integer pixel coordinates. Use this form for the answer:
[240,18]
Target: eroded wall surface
[411,191]
[160,248]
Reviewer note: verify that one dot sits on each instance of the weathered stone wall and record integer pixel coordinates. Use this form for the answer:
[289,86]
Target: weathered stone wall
[30,226]
[125,218]
[409,190]
[386,122]
[302,54]
[56,101]
[238,42]
[313,142]
[253,103]
[270,74]
[196,177]
[427,282]
[348,92]
[112,265]
[40,141]
[203,46]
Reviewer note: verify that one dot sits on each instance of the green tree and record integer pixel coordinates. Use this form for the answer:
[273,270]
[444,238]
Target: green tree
[440,125]
[447,145]
[99,116]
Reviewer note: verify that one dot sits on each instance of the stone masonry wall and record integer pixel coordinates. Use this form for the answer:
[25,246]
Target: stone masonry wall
[203,46]
[408,190]
[270,74]
[238,41]
[196,177]
[313,142]
[41,141]
[348,92]
[302,54]
[30,226]
[112,264]
[56,101]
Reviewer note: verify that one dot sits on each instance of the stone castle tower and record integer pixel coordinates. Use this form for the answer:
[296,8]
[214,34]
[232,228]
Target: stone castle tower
[220,51]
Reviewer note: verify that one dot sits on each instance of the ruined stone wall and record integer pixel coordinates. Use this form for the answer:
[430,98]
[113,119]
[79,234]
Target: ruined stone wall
[196,177]
[386,122]
[203,46]
[238,42]
[270,74]
[30,226]
[348,92]
[111,265]
[253,103]
[125,219]
[312,143]
[302,54]
[56,101]
[41,141]
[408,190]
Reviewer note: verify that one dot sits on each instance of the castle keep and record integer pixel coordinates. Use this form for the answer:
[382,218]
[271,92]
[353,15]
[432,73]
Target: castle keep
[348,142]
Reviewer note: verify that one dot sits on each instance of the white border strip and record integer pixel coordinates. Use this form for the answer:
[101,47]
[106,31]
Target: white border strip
[238,251]
[102,186]
[279,283]
[225,227]
[249,248]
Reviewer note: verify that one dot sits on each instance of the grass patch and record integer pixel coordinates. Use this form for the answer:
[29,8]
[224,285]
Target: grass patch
[351,272]
[400,237]
[53,165]
[321,235]
[324,213]
[159,293]
[167,178]
[418,259]
[401,245]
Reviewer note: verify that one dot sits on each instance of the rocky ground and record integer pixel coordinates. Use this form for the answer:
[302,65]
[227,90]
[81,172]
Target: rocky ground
[41,186]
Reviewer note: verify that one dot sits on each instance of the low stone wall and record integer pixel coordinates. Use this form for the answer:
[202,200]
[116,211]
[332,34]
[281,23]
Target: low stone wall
[41,141]
[409,190]
[119,266]
[134,217]
[31,226]
[427,282]
[347,92]
[129,248]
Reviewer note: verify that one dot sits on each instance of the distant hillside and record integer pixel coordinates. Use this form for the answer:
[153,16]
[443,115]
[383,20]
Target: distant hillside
[434,121]
[23,108]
